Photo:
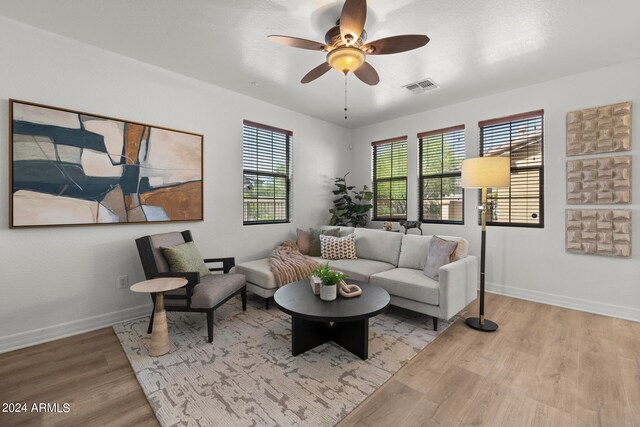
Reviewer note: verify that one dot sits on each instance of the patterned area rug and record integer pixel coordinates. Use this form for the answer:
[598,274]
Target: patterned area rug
[248,377]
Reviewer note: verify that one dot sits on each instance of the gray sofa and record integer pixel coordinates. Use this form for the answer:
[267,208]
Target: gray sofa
[395,262]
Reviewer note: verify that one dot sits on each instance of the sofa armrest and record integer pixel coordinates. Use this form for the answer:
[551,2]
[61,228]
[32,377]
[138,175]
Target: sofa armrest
[227,264]
[458,285]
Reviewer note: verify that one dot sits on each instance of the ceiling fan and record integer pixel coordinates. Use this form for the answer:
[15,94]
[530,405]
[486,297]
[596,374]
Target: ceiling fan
[346,48]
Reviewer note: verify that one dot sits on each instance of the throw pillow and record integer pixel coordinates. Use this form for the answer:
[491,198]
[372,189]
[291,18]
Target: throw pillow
[314,239]
[184,258]
[439,254]
[303,241]
[338,247]
[461,251]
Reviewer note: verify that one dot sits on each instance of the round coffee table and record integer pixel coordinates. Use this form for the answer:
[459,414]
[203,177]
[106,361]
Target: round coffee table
[344,321]
[159,344]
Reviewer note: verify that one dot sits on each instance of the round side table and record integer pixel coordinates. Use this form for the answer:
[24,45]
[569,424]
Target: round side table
[159,344]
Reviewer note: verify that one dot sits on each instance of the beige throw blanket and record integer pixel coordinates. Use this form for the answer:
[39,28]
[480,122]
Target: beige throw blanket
[289,265]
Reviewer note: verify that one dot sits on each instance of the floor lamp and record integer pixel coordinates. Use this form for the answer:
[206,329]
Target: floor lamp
[483,173]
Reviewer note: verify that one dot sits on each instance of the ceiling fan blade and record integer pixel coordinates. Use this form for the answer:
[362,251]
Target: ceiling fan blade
[367,74]
[297,42]
[316,72]
[395,44]
[352,19]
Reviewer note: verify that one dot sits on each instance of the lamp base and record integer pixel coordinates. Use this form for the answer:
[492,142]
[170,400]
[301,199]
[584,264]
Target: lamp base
[487,326]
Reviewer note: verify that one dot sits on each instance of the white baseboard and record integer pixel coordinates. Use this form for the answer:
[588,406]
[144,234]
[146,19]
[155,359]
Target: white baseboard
[628,313]
[62,330]
[75,327]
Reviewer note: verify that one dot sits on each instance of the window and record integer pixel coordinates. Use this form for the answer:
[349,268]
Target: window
[521,138]
[440,157]
[390,179]
[266,170]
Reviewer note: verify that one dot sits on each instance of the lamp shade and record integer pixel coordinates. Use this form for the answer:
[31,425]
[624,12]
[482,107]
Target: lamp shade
[486,172]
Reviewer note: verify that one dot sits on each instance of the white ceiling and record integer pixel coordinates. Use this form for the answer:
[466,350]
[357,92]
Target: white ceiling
[477,47]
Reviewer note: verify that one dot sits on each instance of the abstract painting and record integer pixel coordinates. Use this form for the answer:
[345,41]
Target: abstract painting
[73,168]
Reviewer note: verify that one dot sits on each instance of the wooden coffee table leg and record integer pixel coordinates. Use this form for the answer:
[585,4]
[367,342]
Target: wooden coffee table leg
[352,336]
[159,344]
[306,335]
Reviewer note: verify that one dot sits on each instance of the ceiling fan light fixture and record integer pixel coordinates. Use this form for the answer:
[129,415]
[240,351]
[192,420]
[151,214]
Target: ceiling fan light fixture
[346,59]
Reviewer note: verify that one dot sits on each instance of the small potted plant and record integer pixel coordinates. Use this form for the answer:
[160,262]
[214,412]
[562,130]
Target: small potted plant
[329,279]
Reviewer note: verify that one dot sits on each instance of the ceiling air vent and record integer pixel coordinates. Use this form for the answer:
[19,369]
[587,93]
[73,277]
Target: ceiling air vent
[421,86]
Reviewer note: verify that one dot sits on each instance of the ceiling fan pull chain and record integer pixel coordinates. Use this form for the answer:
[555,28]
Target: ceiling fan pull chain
[345,96]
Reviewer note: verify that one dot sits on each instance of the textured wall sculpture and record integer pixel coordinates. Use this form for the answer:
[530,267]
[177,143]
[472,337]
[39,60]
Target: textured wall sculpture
[599,130]
[604,180]
[599,232]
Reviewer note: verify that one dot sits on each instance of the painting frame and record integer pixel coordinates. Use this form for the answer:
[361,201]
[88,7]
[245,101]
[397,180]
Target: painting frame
[196,213]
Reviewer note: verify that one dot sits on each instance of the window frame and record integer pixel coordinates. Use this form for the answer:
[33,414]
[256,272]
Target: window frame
[375,180]
[510,119]
[441,176]
[288,176]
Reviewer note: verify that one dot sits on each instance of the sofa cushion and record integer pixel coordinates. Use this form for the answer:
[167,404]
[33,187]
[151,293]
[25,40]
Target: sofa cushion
[357,269]
[338,247]
[258,272]
[378,245]
[413,252]
[408,283]
[213,289]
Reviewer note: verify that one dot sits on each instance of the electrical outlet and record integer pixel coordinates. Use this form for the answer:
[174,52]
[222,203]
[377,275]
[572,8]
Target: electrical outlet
[123,282]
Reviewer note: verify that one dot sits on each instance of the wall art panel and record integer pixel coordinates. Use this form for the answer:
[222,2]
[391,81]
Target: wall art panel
[599,232]
[599,130]
[604,180]
[73,168]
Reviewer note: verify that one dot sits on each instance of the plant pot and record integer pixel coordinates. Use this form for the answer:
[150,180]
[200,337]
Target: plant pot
[328,293]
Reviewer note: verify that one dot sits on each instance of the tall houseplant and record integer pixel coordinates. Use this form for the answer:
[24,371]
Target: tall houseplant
[351,207]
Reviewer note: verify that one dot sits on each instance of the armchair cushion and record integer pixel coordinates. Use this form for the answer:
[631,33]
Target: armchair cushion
[185,257]
[158,241]
[215,288]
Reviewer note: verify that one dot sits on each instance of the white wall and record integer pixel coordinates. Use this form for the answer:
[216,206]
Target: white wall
[60,281]
[532,263]
[63,280]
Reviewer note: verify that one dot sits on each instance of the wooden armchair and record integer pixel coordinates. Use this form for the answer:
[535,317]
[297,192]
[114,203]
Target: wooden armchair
[202,295]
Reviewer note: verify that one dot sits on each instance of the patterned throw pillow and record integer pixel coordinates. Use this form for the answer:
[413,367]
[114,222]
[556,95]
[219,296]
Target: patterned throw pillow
[185,258]
[338,247]
[314,239]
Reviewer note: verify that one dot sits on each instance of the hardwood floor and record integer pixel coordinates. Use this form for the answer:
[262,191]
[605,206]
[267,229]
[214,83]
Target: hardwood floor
[88,371]
[546,366]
